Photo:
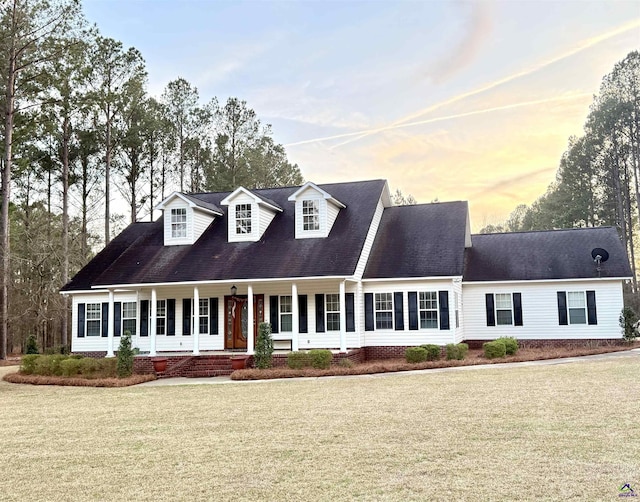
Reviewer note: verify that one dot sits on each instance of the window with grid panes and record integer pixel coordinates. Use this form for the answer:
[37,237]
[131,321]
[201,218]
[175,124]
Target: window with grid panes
[332,308]
[504,309]
[204,315]
[179,222]
[286,314]
[161,317]
[428,309]
[577,304]
[94,319]
[243,219]
[129,310]
[310,215]
[384,310]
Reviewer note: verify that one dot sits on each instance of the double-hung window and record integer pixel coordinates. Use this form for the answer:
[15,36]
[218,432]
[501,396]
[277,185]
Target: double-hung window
[577,307]
[161,317]
[286,314]
[94,319]
[243,219]
[310,215]
[428,309]
[204,316]
[332,304]
[178,222]
[384,310]
[504,309]
[129,310]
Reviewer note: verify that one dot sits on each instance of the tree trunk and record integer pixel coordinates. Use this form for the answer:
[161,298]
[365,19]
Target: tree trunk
[66,133]
[107,172]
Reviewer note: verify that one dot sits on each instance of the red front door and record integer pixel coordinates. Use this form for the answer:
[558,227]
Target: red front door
[236,320]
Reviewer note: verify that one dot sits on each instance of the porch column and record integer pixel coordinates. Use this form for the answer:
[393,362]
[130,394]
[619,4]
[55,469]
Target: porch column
[110,320]
[196,321]
[295,324]
[358,312]
[153,322]
[136,339]
[250,344]
[343,318]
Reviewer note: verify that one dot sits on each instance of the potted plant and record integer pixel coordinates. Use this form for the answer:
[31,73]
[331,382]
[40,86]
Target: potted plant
[238,362]
[159,364]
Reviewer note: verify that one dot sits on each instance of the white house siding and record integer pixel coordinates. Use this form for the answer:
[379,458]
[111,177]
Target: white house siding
[178,203]
[368,243]
[540,310]
[201,221]
[459,329]
[407,337]
[327,214]
[265,217]
[242,198]
[332,214]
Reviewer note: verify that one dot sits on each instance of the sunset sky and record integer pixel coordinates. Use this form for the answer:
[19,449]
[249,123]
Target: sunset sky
[449,100]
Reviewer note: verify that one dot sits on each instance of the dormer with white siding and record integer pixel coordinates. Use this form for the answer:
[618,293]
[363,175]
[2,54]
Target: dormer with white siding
[249,215]
[316,211]
[186,218]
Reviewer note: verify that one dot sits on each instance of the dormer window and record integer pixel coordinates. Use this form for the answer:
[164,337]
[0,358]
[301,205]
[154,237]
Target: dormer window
[178,223]
[243,219]
[310,215]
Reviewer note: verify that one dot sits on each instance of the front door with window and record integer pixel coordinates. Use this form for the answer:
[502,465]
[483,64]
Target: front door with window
[237,319]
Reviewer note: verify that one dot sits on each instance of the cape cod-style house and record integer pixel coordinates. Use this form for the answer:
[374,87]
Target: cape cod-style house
[337,266]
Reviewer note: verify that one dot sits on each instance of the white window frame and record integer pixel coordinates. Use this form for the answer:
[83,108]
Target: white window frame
[503,308]
[285,306]
[310,215]
[161,317]
[243,219]
[573,305]
[178,223]
[332,315]
[383,309]
[203,311]
[93,315]
[127,315]
[426,306]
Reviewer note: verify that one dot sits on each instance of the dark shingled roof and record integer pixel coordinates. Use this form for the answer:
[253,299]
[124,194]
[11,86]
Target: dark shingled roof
[425,240]
[193,197]
[138,255]
[553,254]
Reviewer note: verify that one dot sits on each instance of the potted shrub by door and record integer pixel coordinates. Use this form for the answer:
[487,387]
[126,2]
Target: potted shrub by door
[238,362]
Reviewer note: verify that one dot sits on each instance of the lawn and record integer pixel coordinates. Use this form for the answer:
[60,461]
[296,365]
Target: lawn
[567,431]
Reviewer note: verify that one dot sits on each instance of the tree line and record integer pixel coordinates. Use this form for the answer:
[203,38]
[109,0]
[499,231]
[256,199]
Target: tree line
[598,179]
[80,130]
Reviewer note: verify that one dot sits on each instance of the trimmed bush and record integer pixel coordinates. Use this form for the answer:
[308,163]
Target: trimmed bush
[457,351]
[28,365]
[263,356]
[320,358]
[494,349]
[32,345]
[628,319]
[433,351]
[510,343]
[88,366]
[124,364]
[107,367]
[298,360]
[463,350]
[415,354]
[345,363]
[71,367]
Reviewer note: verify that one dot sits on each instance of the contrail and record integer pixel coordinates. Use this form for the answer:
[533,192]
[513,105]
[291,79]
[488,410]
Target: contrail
[440,119]
[579,48]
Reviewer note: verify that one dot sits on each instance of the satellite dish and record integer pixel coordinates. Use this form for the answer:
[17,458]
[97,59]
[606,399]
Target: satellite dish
[599,255]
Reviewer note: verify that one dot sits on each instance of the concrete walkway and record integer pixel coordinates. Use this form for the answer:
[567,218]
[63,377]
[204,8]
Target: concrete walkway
[547,362]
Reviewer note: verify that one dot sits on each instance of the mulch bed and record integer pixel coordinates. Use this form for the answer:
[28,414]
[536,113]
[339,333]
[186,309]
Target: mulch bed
[474,357]
[77,382]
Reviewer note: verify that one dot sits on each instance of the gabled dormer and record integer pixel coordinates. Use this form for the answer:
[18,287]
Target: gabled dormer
[249,215]
[316,211]
[185,218]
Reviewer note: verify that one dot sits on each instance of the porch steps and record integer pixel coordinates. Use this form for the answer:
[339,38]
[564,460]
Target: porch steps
[208,366]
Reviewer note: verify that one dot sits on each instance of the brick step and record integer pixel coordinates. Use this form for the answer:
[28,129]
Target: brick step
[208,373]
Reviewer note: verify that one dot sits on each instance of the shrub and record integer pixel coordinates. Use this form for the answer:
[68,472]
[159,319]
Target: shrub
[32,345]
[263,356]
[345,363]
[510,343]
[56,349]
[88,366]
[433,351]
[107,367]
[124,364]
[49,365]
[71,367]
[628,320]
[415,354]
[494,349]
[298,360]
[457,351]
[463,350]
[28,365]
[320,358]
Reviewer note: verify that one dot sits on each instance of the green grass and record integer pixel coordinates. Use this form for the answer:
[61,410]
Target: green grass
[562,432]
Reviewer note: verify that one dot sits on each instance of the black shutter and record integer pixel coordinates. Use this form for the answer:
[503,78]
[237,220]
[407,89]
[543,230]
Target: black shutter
[105,319]
[144,317]
[413,310]
[81,308]
[213,316]
[117,318]
[273,313]
[186,316]
[591,308]
[303,323]
[349,300]
[398,311]
[443,300]
[369,323]
[491,313]
[320,313]
[517,309]
[562,308]
[171,316]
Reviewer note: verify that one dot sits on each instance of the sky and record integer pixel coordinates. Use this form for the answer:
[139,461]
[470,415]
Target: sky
[447,100]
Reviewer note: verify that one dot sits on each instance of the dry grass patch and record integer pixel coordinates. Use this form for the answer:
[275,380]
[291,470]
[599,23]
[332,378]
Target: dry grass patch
[76,381]
[562,432]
